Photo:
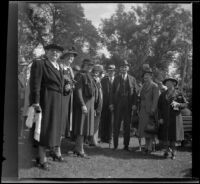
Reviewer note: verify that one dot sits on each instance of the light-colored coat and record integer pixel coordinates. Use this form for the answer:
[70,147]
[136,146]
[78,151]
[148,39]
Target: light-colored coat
[149,98]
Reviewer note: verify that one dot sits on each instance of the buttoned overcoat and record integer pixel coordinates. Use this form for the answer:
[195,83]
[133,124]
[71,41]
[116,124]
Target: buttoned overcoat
[46,88]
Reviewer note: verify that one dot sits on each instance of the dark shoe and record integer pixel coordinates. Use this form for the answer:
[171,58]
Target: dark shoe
[56,157]
[126,148]
[173,156]
[115,148]
[79,154]
[93,145]
[44,166]
[146,151]
[166,154]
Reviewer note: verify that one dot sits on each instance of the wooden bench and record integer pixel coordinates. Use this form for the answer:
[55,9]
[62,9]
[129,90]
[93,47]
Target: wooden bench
[187,124]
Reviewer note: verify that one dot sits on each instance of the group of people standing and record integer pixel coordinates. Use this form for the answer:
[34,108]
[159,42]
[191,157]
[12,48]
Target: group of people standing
[85,104]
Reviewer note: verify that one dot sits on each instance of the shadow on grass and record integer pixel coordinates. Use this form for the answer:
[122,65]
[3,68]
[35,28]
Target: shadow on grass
[188,173]
[122,154]
[68,146]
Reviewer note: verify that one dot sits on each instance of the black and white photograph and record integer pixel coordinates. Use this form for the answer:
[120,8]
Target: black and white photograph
[104,90]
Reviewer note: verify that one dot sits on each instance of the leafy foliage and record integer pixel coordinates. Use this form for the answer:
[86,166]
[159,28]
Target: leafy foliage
[153,34]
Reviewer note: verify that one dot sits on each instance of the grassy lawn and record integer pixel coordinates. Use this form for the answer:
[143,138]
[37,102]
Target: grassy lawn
[105,163]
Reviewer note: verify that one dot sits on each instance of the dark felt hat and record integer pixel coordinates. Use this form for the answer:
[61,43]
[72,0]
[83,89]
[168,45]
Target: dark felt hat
[98,68]
[170,79]
[147,70]
[68,52]
[124,63]
[54,46]
[88,62]
[111,67]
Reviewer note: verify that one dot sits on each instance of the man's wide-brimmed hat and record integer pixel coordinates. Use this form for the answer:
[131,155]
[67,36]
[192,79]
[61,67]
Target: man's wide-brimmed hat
[98,68]
[147,70]
[68,52]
[88,62]
[170,79]
[111,67]
[54,46]
[124,63]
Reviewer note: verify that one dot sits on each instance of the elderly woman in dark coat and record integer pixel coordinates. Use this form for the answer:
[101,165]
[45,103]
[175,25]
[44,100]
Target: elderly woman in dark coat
[170,104]
[46,91]
[66,60]
[84,96]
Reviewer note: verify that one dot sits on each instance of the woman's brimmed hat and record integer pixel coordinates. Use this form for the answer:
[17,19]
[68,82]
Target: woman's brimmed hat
[54,46]
[68,52]
[170,79]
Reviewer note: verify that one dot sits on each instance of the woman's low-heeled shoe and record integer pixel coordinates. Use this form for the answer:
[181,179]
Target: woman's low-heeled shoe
[56,157]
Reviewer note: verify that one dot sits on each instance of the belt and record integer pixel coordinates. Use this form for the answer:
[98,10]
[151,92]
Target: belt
[53,89]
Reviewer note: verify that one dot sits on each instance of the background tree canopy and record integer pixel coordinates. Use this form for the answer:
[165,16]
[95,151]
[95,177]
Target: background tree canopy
[157,34]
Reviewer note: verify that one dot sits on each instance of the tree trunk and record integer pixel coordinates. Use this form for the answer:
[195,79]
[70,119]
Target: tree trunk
[184,68]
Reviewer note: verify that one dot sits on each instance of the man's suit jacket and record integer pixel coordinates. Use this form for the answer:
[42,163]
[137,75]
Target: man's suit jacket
[132,88]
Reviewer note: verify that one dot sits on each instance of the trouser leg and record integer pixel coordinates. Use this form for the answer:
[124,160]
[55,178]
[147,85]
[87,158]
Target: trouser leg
[148,143]
[117,125]
[127,130]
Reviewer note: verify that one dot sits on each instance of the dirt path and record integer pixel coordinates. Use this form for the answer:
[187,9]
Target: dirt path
[105,163]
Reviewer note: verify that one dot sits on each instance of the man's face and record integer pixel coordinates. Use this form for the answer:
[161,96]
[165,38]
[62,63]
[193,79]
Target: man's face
[111,73]
[124,69]
[147,77]
[54,54]
[88,67]
[96,73]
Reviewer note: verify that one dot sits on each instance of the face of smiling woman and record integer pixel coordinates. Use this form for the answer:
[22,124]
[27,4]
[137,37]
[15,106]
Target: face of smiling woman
[53,54]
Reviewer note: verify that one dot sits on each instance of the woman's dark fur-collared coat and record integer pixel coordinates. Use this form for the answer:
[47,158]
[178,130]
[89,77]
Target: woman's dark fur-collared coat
[84,94]
[172,128]
[46,88]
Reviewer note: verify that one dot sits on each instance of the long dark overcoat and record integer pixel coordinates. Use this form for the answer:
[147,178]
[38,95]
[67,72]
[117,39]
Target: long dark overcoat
[66,104]
[172,128]
[46,88]
[106,116]
[84,94]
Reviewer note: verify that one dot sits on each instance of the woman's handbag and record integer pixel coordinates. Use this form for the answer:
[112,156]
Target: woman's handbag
[151,127]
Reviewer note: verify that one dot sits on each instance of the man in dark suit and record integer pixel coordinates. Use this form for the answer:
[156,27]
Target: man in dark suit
[106,124]
[124,101]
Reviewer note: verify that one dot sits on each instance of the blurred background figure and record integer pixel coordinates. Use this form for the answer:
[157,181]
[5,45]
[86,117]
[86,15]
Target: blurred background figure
[107,117]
